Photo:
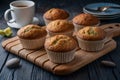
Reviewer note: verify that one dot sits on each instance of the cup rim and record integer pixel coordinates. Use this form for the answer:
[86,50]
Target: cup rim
[30,5]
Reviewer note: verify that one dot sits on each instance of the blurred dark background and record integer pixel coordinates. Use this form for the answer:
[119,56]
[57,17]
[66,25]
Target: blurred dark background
[74,7]
[61,3]
[48,2]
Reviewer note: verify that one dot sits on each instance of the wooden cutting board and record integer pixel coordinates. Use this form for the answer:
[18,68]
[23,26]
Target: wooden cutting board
[82,58]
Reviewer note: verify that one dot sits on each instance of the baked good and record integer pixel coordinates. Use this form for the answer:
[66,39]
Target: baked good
[60,27]
[84,19]
[32,36]
[54,14]
[91,38]
[60,48]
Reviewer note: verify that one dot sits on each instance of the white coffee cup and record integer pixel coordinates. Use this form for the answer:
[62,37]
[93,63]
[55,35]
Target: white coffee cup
[22,13]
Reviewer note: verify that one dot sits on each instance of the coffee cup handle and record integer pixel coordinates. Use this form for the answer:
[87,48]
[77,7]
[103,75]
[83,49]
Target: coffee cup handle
[6,16]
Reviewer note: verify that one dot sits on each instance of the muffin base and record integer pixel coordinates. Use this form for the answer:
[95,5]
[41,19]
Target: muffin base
[78,27]
[69,33]
[61,57]
[91,45]
[32,44]
[48,21]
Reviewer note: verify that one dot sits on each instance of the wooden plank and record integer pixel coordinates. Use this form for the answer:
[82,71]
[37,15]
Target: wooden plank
[33,56]
[15,50]
[48,65]
[112,29]
[9,41]
[10,45]
[24,72]
[41,60]
[82,58]
[115,57]
[23,53]
[3,56]
[7,74]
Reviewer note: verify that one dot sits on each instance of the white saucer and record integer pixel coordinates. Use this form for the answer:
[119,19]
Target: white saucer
[15,25]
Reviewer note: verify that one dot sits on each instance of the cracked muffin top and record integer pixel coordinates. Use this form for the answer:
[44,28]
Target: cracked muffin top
[31,31]
[91,33]
[60,43]
[56,13]
[86,20]
[60,26]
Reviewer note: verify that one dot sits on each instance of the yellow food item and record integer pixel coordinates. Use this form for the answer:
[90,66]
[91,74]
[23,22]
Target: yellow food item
[8,32]
[2,33]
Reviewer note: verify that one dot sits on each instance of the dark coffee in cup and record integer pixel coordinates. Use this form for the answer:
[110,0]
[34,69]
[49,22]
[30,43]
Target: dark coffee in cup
[21,6]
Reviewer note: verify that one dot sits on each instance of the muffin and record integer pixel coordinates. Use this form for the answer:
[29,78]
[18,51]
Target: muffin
[60,27]
[83,20]
[60,48]
[91,38]
[32,36]
[54,14]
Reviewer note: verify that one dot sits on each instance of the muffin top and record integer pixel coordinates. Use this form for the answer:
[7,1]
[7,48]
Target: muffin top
[31,32]
[60,43]
[60,26]
[91,33]
[56,13]
[85,19]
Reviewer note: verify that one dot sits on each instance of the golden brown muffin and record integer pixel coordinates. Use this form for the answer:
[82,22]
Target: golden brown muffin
[56,13]
[85,19]
[58,26]
[91,33]
[31,32]
[60,43]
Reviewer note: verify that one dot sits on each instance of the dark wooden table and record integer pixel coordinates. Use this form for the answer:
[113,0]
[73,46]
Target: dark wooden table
[29,71]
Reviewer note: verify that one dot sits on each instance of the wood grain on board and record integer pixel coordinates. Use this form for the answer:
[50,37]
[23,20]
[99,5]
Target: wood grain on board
[82,58]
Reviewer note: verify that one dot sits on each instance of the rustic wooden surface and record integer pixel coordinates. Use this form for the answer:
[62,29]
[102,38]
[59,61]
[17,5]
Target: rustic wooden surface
[82,58]
[29,71]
